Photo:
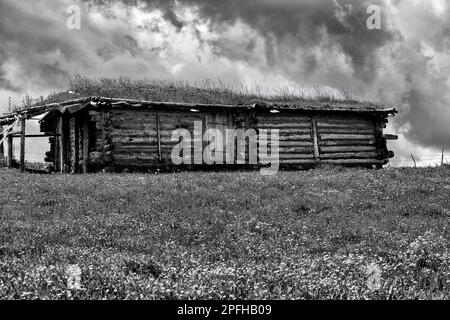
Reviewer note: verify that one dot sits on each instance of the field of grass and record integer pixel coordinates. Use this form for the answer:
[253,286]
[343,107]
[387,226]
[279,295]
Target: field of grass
[328,233]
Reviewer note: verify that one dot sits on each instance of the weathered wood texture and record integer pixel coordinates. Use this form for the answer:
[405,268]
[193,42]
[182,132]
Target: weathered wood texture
[60,145]
[142,138]
[22,144]
[349,139]
[296,143]
[10,151]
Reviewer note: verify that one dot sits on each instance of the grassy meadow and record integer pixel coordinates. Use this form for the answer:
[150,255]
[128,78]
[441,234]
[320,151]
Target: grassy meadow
[331,233]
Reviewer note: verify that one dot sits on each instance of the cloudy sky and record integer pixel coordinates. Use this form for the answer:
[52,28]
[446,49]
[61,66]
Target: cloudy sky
[270,43]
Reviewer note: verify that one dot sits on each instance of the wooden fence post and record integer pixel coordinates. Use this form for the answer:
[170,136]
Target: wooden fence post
[61,143]
[158,132]
[2,155]
[10,150]
[315,139]
[22,144]
[85,135]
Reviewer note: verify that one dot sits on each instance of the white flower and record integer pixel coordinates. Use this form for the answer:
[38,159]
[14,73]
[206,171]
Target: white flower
[373,272]
[73,273]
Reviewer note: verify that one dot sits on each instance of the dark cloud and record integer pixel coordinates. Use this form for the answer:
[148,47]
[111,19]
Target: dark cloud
[298,30]
[294,23]
[322,43]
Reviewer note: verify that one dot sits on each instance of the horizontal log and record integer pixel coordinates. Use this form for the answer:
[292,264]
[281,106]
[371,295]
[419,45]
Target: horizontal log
[290,156]
[354,161]
[147,141]
[141,133]
[325,149]
[131,112]
[282,117]
[322,126]
[287,125]
[297,161]
[359,142]
[345,131]
[344,122]
[296,137]
[306,150]
[346,136]
[390,137]
[36,135]
[345,118]
[287,143]
[345,155]
[141,150]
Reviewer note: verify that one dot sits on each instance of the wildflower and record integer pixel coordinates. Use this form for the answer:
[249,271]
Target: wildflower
[73,273]
[373,272]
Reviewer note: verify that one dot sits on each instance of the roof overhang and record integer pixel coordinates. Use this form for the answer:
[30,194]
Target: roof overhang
[76,105]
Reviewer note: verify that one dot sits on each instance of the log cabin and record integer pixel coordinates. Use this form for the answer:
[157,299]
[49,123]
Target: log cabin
[98,133]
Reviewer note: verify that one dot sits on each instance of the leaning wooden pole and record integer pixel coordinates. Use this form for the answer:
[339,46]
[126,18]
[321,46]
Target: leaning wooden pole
[22,144]
[10,150]
[61,144]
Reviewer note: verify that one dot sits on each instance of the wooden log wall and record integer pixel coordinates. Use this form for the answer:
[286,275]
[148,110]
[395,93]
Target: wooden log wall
[137,138]
[328,138]
[347,139]
[296,143]
[141,138]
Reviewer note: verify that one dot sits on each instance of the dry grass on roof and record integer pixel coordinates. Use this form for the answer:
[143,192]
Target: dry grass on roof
[205,92]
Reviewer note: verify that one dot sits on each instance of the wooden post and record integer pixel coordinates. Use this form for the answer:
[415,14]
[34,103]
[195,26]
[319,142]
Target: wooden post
[414,160]
[22,144]
[61,144]
[158,132]
[56,155]
[74,145]
[315,139]
[85,134]
[2,155]
[10,150]
[206,157]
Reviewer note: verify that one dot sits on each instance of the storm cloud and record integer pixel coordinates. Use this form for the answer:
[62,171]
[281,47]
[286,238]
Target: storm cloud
[302,43]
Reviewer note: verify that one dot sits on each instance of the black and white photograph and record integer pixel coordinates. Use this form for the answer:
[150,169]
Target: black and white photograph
[224,155]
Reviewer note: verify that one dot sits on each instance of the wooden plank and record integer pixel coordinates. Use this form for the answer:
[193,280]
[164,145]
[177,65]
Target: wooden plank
[355,161]
[22,144]
[292,131]
[347,155]
[325,149]
[282,119]
[74,144]
[2,155]
[289,156]
[345,131]
[158,137]
[308,150]
[345,124]
[287,143]
[315,140]
[300,125]
[346,136]
[359,142]
[10,151]
[283,136]
[206,157]
[36,135]
[296,138]
[298,161]
[85,132]
[390,137]
[61,143]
